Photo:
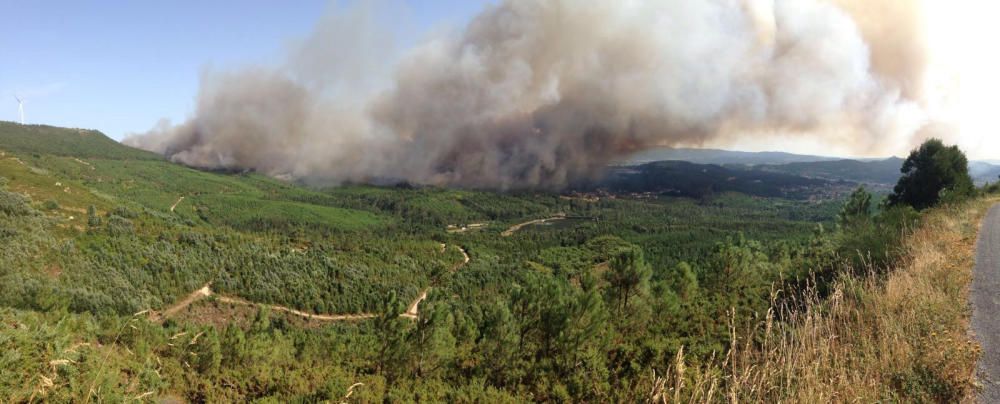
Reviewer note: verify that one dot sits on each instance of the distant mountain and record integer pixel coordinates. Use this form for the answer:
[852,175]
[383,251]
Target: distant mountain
[875,171]
[881,172]
[885,172]
[869,171]
[719,157]
[681,178]
[983,172]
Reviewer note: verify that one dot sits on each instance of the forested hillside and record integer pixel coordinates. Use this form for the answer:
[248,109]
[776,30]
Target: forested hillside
[872,172]
[681,178]
[101,243]
[884,172]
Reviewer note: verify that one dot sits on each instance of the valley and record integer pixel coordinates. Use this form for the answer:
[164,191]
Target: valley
[499,201]
[174,274]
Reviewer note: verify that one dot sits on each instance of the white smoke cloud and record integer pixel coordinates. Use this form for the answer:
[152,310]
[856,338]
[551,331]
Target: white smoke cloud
[540,93]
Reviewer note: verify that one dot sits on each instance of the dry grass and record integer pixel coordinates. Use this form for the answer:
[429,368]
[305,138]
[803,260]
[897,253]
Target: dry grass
[901,337]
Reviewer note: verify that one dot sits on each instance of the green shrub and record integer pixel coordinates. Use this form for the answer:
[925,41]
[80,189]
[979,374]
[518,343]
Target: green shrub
[857,208]
[120,226]
[124,212]
[991,188]
[14,204]
[876,243]
[93,220]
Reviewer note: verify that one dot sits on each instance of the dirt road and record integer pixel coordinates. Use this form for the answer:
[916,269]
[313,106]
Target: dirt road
[412,310]
[513,229]
[322,317]
[985,296]
[84,163]
[195,296]
[176,203]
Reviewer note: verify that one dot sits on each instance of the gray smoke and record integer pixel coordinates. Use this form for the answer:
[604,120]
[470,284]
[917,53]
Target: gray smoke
[540,93]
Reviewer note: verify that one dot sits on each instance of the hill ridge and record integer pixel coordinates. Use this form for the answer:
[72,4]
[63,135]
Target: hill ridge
[67,142]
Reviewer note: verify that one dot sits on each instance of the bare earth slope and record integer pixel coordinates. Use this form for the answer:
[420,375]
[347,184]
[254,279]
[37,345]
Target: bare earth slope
[985,297]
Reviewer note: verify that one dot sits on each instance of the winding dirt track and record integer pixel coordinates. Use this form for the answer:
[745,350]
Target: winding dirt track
[412,310]
[176,203]
[513,229]
[197,295]
[84,163]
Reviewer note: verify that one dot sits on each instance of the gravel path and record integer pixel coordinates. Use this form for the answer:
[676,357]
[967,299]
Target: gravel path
[176,203]
[412,311]
[986,305]
[513,229]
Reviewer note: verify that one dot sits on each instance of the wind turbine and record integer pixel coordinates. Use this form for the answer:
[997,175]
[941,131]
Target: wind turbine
[20,108]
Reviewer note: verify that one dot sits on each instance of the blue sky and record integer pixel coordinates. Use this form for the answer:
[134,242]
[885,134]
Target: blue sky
[120,66]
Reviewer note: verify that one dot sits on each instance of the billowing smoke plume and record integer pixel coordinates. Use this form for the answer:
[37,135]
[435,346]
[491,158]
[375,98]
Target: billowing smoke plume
[539,93]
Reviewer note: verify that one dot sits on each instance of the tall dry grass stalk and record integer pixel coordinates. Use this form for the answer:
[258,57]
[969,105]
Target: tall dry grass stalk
[902,336]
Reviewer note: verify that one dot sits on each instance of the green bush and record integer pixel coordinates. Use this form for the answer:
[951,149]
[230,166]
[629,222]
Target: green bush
[14,204]
[123,212]
[875,244]
[120,226]
[991,188]
[93,220]
[857,208]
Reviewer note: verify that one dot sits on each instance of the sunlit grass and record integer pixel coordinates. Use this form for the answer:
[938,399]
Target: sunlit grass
[902,337]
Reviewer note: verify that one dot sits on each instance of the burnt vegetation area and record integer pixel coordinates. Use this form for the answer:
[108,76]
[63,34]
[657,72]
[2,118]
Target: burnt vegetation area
[663,257]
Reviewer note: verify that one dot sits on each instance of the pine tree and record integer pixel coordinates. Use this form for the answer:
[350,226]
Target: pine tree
[234,346]
[93,220]
[857,208]
[628,275]
[209,352]
[391,334]
[432,338]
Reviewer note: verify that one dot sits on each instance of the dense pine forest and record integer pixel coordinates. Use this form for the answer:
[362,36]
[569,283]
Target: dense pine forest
[104,250]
